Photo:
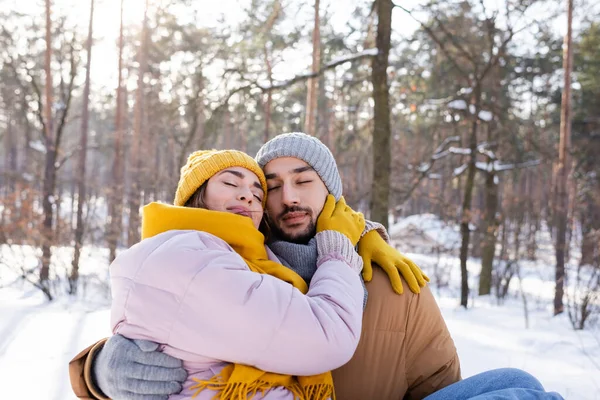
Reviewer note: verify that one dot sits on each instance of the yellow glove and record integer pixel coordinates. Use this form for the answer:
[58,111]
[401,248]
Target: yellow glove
[341,218]
[373,249]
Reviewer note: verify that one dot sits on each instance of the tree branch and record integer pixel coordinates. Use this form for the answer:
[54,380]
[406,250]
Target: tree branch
[369,53]
[456,43]
[425,168]
[60,162]
[437,40]
[40,110]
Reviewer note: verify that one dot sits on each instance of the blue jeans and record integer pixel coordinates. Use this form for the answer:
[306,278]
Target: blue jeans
[497,384]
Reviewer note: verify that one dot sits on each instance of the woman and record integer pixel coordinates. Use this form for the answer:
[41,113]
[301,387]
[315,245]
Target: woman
[203,284]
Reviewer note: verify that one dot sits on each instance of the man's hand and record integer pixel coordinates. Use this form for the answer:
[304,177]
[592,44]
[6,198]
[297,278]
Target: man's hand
[341,218]
[133,370]
[373,249]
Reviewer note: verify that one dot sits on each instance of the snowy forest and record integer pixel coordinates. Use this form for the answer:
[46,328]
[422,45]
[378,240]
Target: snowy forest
[469,128]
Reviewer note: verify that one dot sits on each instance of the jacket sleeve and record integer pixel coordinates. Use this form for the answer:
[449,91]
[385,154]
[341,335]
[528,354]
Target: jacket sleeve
[376,226]
[236,315]
[192,292]
[431,357]
[80,368]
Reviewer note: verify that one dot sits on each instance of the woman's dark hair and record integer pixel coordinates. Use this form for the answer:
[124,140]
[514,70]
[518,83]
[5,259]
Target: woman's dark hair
[264,227]
[197,199]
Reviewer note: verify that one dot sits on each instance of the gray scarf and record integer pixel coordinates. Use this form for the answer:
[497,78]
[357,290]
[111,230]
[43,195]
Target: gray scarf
[301,258]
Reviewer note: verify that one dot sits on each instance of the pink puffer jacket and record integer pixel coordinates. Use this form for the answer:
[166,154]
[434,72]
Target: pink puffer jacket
[192,293]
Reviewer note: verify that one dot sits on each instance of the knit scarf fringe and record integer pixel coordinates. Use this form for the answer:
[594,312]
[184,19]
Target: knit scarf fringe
[248,390]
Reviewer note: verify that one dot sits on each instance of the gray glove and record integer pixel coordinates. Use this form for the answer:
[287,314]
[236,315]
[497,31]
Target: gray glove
[133,369]
[332,244]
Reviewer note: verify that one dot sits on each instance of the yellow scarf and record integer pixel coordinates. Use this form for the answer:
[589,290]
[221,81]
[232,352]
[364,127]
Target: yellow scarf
[237,381]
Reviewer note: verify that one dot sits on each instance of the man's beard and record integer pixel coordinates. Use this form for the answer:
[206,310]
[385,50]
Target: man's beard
[302,237]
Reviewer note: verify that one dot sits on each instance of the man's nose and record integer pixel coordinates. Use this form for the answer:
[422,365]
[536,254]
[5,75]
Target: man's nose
[290,195]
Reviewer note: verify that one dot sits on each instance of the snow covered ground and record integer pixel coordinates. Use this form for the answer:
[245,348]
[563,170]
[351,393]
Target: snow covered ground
[37,339]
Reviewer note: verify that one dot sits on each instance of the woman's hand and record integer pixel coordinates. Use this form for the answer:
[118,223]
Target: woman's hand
[341,218]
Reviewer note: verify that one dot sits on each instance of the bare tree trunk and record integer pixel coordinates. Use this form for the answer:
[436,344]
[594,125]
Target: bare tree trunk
[380,191]
[503,256]
[572,183]
[312,84]
[563,168]
[227,129]
[150,140]
[326,125]
[58,223]
[116,203]
[490,230]
[9,177]
[590,226]
[81,184]
[519,218]
[199,131]
[466,206]
[465,233]
[478,234]
[138,123]
[25,186]
[73,208]
[533,214]
[244,133]
[49,168]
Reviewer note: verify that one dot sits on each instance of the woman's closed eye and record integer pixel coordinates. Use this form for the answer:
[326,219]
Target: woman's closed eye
[230,184]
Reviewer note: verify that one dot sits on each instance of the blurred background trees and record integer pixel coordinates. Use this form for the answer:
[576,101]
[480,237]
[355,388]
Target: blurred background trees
[448,108]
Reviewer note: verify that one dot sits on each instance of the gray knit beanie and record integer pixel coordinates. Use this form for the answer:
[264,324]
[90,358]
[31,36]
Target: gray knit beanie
[308,149]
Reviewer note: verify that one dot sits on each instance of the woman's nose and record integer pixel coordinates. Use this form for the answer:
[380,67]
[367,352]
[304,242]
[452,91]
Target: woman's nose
[245,194]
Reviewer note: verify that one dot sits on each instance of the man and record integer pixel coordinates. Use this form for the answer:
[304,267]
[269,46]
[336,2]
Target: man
[405,350]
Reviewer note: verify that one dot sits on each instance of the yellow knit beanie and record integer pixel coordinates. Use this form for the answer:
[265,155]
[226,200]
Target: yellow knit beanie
[203,164]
